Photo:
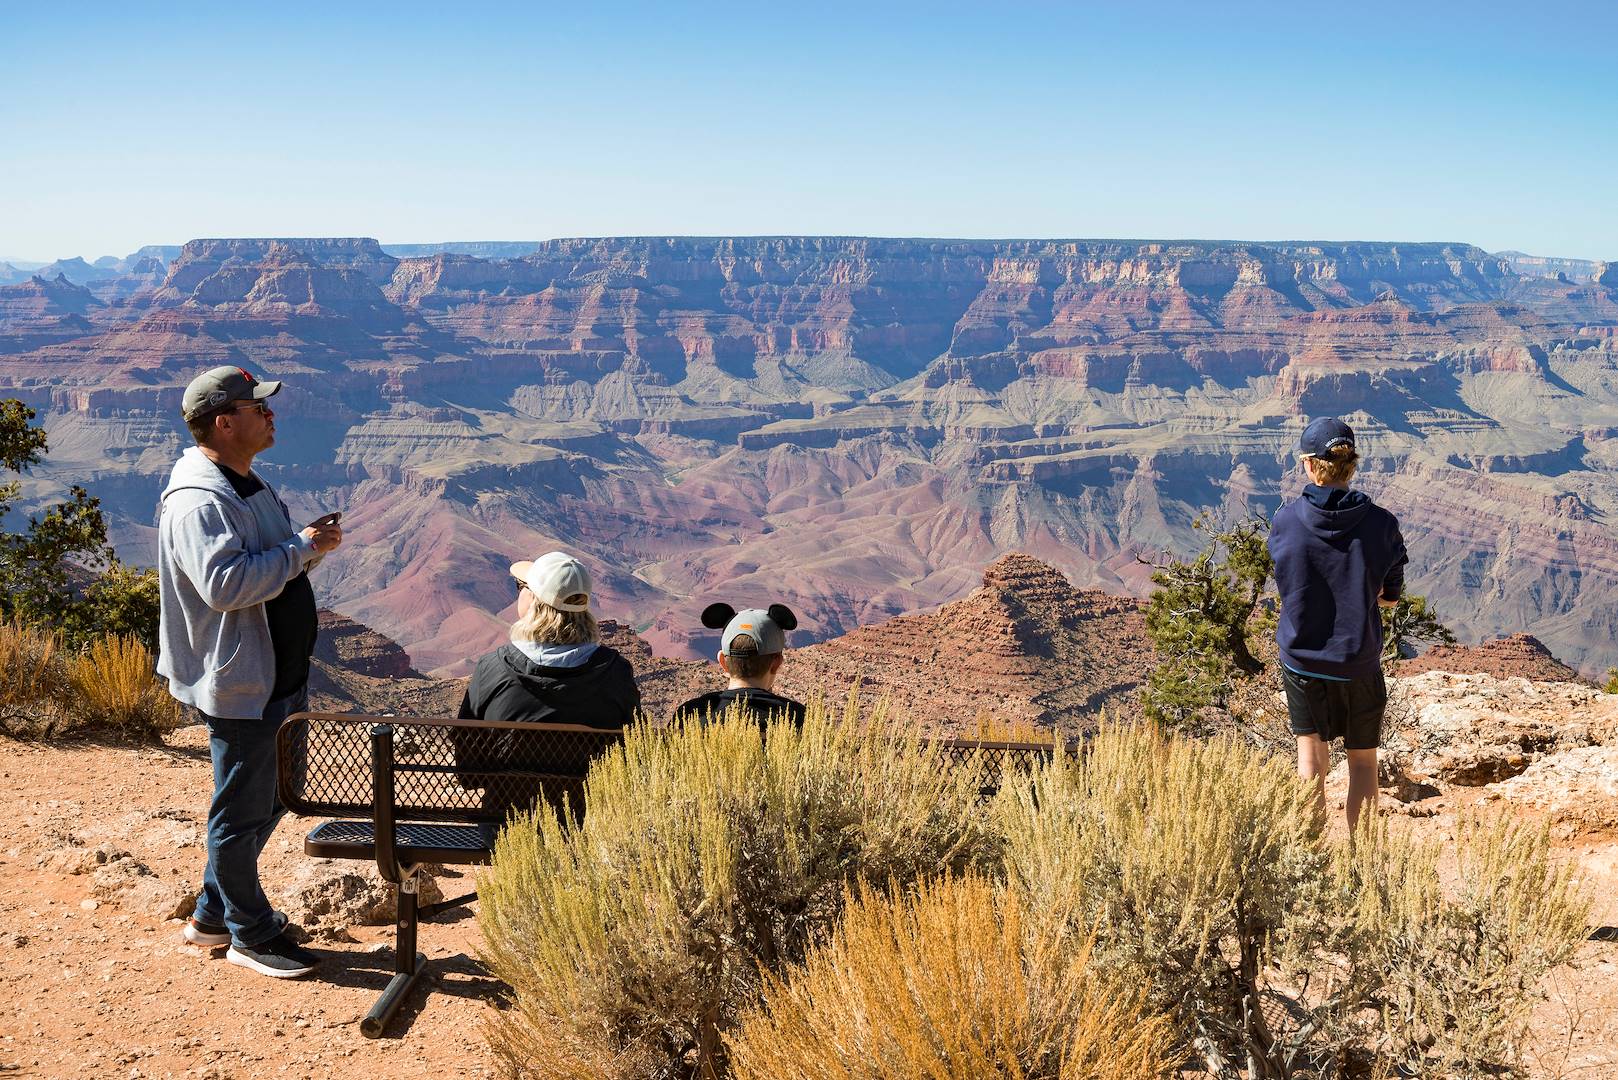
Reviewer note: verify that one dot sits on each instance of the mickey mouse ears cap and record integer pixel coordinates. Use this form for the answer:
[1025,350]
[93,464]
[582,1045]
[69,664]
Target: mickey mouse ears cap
[765,626]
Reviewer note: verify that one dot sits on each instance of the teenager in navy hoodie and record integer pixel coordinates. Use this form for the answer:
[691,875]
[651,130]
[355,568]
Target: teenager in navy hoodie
[1338,558]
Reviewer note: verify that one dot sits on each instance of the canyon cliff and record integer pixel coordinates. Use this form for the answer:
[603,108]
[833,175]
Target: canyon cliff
[852,426]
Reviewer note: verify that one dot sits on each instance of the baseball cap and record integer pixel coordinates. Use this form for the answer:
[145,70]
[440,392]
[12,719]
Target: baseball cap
[218,387]
[766,626]
[1324,434]
[554,577]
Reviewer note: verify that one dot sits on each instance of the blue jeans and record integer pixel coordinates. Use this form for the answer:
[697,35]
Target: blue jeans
[243,815]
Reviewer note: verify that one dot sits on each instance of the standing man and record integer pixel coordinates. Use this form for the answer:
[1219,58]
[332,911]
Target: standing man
[237,631]
[1338,556]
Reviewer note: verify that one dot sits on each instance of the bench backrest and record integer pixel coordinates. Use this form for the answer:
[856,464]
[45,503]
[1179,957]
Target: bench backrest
[479,770]
[443,770]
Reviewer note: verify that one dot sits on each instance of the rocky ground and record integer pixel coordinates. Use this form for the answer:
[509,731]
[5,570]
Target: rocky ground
[101,850]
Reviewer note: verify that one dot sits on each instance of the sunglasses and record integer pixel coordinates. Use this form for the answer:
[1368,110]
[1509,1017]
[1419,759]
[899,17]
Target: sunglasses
[257,406]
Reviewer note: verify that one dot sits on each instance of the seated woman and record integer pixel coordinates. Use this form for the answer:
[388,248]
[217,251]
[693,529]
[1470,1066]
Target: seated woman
[554,671]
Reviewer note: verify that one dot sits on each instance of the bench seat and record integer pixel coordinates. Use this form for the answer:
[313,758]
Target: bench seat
[416,842]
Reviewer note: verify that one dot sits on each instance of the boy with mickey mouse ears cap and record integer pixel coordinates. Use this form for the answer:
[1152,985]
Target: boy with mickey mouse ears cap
[751,650]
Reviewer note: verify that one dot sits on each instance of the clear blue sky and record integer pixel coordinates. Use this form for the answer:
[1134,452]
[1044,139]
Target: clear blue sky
[128,124]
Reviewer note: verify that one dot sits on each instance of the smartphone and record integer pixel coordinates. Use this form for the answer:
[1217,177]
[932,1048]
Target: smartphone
[328,519]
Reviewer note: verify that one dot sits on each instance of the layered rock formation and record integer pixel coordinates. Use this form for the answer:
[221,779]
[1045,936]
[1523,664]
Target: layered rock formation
[1520,656]
[852,426]
[1024,652]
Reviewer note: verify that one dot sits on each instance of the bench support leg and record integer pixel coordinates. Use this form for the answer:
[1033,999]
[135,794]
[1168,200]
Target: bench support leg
[407,962]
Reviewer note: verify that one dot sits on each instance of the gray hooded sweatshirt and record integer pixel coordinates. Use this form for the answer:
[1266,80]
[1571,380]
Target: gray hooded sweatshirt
[219,558]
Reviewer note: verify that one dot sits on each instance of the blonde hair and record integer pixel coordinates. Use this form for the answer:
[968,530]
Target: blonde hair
[1335,466]
[545,625]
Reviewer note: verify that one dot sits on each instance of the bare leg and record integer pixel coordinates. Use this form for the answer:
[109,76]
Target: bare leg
[1361,784]
[1314,762]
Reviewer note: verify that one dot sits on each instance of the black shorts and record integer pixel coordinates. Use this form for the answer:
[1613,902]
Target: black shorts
[1351,711]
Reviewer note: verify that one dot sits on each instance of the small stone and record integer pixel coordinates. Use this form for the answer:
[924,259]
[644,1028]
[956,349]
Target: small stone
[89,905]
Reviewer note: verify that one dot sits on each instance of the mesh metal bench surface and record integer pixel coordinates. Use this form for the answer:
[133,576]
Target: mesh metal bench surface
[407,791]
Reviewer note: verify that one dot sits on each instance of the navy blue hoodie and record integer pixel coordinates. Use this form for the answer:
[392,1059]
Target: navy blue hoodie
[1335,553]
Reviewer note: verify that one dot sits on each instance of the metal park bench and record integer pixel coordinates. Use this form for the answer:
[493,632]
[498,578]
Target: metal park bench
[408,792]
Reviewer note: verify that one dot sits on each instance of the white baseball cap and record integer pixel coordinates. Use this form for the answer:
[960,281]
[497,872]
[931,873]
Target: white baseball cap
[554,577]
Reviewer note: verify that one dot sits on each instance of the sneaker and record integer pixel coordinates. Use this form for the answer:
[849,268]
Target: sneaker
[214,935]
[279,958]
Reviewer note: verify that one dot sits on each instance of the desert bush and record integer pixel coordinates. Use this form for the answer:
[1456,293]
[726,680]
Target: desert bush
[959,981]
[709,856]
[115,686]
[47,691]
[1200,618]
[1202,871]
[1458,973]
[122,601]
[34,687]
[59,572]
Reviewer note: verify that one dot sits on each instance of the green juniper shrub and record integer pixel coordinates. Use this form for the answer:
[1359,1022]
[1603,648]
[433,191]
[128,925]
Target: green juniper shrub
[1408,622]
[44,568]
[1200,618]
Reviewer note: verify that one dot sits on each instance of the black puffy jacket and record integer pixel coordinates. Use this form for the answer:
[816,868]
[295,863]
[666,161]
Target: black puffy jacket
[600,692]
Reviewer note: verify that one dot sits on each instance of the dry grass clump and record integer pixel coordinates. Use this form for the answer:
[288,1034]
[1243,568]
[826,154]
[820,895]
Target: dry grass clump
[1200,867]
[114,681]
[959,981]
[33,681]
[46,692]
[1457,975]
[708,856]
[990,728]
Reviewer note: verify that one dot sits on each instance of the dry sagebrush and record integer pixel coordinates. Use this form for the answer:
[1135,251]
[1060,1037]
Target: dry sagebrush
[959,981]
[1457,972]
[1202,870]
[34,687]
[708,855]
[111,684]
[115,687]
[1199,866]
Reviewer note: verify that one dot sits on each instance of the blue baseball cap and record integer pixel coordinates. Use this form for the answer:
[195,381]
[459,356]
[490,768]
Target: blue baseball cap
[1323,435]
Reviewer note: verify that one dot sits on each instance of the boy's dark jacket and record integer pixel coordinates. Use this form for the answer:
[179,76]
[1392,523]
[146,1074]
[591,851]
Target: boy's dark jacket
[1335,553]
[600,692]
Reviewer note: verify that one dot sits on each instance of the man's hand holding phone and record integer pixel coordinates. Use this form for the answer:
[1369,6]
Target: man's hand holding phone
[325,533]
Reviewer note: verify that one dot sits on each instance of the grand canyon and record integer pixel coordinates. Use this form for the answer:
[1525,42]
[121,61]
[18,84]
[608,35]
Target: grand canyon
[856,427]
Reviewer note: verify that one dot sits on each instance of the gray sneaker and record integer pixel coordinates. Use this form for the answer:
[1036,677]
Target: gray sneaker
[279,958]
[215,935]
